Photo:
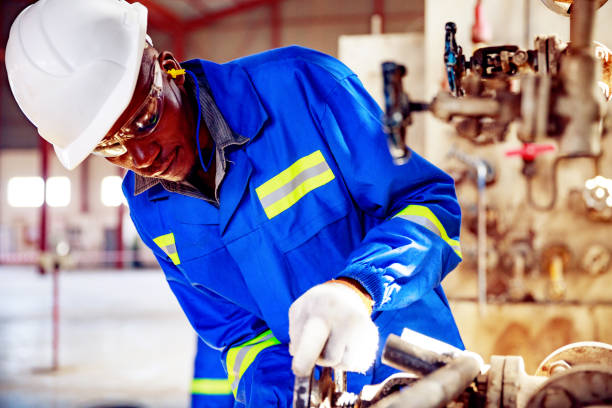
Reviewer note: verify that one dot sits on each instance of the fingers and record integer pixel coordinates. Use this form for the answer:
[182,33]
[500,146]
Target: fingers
[361,352]
[310,344]
[334,349]
[296,324]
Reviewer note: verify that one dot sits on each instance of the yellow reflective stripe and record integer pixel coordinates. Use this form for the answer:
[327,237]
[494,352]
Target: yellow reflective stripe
[164,240]
[289,174]
[428,215]
[288,187]
[167,244]
[239,358]
[211,386]
[307,186]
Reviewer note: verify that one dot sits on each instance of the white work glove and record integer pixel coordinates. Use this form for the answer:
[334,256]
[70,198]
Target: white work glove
[330,324]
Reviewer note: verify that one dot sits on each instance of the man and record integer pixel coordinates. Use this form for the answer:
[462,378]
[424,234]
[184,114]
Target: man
[263,186]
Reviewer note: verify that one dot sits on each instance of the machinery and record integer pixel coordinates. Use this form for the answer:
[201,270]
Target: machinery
[552,91]
[438,375]
[554,97]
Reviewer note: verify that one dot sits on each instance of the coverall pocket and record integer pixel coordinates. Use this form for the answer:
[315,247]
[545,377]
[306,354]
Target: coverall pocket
[302,229]
[196,240]
[319,255]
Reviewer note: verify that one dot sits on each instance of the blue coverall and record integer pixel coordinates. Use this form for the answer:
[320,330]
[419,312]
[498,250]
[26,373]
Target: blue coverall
[312,196]
[210,387]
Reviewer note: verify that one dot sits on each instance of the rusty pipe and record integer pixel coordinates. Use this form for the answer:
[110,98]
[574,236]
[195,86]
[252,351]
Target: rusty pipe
[481,178]
[445,106]
[411,358]
[438,388]
[582,19]
[579,75]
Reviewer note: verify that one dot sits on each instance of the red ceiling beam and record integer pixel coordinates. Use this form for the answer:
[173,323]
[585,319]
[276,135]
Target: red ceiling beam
[199,6]
[275,24]
[161,16]
[217,15]
[326,20]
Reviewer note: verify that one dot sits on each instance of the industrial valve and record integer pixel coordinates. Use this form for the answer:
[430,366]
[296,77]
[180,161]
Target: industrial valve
[551,91]
[435,374]
[528,152]
[398,110]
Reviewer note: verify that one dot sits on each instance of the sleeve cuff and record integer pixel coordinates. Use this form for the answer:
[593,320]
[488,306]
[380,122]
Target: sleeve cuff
[368,278]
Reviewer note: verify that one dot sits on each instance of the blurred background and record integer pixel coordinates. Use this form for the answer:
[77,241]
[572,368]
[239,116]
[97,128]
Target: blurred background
[86,318]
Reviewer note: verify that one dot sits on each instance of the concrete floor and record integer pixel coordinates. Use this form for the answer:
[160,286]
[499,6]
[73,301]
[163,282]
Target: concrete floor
[123,340]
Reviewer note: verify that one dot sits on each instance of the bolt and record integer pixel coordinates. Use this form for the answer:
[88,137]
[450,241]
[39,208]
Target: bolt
[520,57]
[558,366]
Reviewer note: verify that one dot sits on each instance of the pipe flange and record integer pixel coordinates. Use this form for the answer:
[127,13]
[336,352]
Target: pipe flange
[576,354]
[582,386]
[562,6]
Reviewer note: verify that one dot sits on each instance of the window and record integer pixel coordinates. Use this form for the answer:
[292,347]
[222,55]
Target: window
[58,191]
[30,191]
[110,191]
[26,191]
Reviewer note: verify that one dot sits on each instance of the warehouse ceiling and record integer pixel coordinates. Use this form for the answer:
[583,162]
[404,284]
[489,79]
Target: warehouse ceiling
[177,17]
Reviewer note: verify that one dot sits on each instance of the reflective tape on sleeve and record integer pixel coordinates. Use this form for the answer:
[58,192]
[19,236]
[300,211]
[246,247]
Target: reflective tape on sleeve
[167,244]
[239,358]
[211,386]
[289,186]
[423,216]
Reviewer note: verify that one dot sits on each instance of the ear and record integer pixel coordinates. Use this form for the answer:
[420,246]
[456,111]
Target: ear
[167,61]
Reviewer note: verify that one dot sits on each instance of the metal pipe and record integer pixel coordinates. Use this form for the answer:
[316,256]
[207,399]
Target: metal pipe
[411,358]
[527,22]
[339,381]
[579,76]
[445,106]
[43,148]
[481,179]
[582,19]
[438,388]
[56,314]
[301,392]
[481,171]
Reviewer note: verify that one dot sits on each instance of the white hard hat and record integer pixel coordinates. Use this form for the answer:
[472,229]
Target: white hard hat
[73,66]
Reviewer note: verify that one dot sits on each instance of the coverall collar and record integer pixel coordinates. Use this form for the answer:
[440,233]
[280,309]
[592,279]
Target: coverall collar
[234,95]
[240,106]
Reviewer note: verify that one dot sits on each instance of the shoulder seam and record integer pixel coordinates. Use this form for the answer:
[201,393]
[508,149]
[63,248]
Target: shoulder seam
[332,90]
[300,59]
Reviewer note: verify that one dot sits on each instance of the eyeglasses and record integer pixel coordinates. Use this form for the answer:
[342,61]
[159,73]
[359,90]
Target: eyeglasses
[141,124]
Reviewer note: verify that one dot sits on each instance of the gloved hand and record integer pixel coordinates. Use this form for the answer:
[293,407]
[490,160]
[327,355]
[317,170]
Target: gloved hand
[330,324]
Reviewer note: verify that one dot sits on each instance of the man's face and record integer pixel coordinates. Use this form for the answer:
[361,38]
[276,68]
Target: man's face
[169,150]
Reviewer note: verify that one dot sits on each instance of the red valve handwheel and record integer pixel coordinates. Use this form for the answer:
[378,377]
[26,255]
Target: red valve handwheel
[530,151]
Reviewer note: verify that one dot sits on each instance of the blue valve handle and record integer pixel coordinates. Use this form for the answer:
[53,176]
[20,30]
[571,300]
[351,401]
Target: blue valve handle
[453,58]
[398,110]
[396,115]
